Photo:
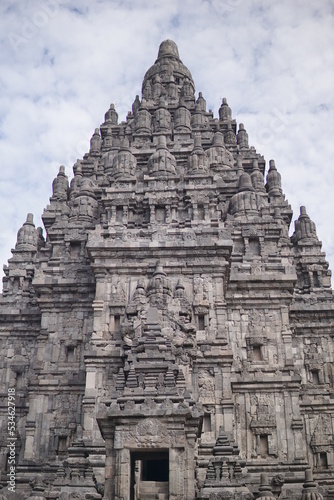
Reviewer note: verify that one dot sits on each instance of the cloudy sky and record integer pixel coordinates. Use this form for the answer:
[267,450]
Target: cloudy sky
[64,61]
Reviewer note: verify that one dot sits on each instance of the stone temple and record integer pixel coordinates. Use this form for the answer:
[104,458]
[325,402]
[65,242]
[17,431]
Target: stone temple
[166,338]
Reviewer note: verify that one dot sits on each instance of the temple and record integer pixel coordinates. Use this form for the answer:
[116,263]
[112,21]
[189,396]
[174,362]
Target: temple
[164,336]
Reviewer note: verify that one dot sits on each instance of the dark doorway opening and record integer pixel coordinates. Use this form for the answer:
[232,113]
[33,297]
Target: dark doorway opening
[149,469]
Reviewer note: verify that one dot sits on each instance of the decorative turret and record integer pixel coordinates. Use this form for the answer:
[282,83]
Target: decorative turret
[107,140]
[156,87]
[168,63]
[162,120]
[246,201]
[201,102]
[136,105]
[265,492]
[242,137]
[60,186]
[140,292]
[187,90]
[111,116]
[219,157]
[182,117]
[159,287]
[273,185]
[198,162]
[27,236]
[225,112]
[85,204]
[230,137]
[20,271]
[77,179]
[95,143]
[305,229]
[162,162]
[143,120]
[38,488]
[310,490]
[172,89]
[124,163]
[311,265]
[257,178]
[224,472]
[199,120]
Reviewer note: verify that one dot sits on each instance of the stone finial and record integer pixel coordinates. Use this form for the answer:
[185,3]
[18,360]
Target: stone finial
[310,491]
[187,90]
[162,162]
[219,157]
[305,229]
[77,179]
[147,90]
[162,120]
[201,102]
[218,139]
[182,117]
[182,102]
[60,185]
[159,270]
[245,183]
[27,236]
[179,290]
[242,136]
[257,177]
[198,118]
[265,489]
[140,291]
[95,142]
[162,103]
[38,486]
[230,137]
[156,87]
[240,168]
[168,48]
[246,201]
[136,105]
[273,185]
[198,161]
[143,120]
[172,89]
[225,112]
[111,116]
[223,445]
[159,285]
[124,163]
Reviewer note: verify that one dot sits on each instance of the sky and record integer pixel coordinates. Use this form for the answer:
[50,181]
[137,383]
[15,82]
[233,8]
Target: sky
[62,62]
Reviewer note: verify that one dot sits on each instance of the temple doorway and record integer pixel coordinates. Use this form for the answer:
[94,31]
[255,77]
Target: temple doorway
[149,475]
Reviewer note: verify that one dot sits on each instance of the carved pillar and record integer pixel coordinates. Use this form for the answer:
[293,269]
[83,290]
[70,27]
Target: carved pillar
[110,465]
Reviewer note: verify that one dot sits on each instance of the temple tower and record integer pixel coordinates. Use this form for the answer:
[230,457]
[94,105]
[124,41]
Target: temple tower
[165,337]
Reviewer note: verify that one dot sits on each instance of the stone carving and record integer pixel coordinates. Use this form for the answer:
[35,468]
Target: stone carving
[205,387]
[167,279]
[149,431]
[322,438]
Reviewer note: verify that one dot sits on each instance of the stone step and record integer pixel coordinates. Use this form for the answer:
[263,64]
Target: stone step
[153,490]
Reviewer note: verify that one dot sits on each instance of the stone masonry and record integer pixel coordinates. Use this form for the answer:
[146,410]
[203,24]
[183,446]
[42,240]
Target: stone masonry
[165,337]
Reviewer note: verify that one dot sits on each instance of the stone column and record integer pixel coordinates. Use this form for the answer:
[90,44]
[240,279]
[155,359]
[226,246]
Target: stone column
[110,468]
[177,474]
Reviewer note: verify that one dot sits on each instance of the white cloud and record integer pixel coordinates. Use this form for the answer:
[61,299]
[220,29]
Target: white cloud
[62,62]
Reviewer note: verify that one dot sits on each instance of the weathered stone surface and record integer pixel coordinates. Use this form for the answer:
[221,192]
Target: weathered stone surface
[167,338]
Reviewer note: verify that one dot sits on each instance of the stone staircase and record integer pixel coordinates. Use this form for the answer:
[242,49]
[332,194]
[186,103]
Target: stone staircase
[153,490]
